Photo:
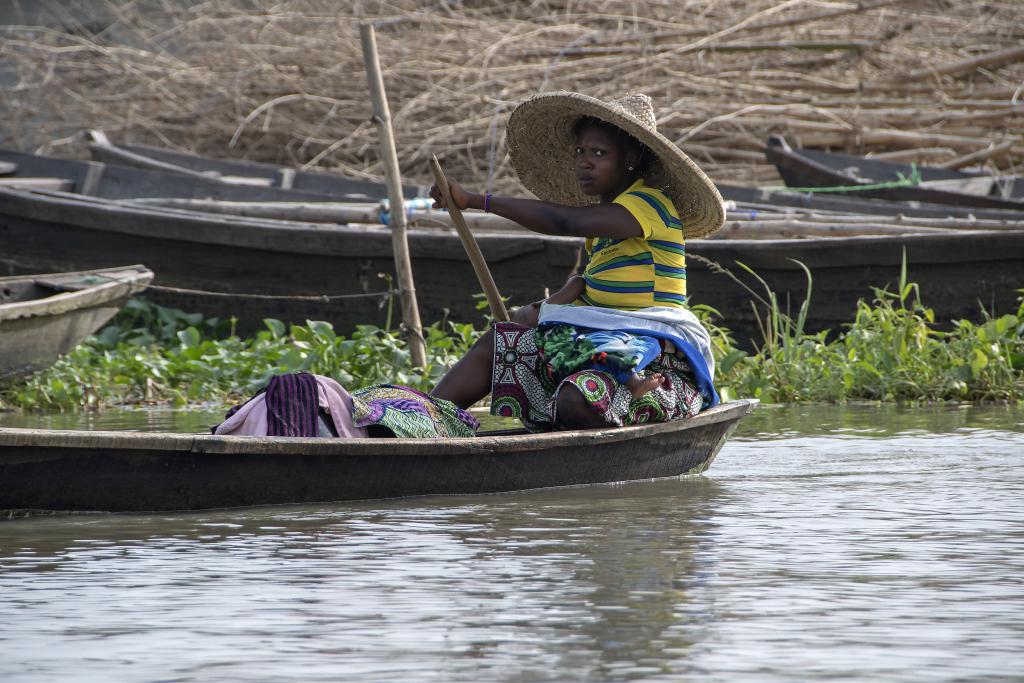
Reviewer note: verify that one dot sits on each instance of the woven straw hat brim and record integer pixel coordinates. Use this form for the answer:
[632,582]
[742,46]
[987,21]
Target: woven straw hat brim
[540,144]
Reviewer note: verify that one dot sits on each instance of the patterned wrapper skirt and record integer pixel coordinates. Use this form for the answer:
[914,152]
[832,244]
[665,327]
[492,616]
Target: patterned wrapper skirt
[523,386]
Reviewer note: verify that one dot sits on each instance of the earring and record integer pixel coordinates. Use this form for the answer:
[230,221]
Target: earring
[630,167]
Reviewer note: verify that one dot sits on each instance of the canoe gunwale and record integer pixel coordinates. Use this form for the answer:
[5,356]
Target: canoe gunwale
[16,438]
[89,296]
[260,233]
[114,217]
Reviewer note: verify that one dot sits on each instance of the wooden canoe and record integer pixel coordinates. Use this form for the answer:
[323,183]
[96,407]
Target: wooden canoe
[227,266]
[231,171]
[132,471]
[45,316]
[331,187]
[115,181]
[223,265]
[812,168]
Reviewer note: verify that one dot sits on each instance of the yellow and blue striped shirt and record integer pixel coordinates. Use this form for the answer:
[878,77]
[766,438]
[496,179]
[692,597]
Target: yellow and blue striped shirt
[639,271]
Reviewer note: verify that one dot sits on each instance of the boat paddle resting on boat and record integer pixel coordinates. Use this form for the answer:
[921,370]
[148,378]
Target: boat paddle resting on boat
[807,168]
[45,316]
[136,472]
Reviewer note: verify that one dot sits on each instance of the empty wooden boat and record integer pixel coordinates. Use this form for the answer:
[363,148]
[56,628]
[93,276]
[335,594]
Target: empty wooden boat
[44,316]
[116,181]
[227,266]
[131,471]
[234,171]
[333,187]
[816,169]
[253,269]
[224,265]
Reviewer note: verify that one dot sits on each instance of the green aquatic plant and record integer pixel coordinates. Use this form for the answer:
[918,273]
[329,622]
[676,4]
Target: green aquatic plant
[891,351]
[156,355]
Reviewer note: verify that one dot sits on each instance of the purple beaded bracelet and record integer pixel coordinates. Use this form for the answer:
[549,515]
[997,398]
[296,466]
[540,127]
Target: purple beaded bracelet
[487,203]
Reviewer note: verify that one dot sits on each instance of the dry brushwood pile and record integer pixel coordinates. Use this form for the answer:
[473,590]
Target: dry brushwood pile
[930,81]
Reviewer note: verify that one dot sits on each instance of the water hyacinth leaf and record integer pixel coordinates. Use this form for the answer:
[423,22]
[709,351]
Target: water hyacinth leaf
[730,359]
[189,337]
[291,360]
[322,329]
[109,336]
[276,327]
[979,362]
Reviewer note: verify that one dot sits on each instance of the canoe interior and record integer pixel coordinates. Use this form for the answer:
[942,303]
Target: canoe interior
[119,472]
[854,204]
[28,288]
[114,181]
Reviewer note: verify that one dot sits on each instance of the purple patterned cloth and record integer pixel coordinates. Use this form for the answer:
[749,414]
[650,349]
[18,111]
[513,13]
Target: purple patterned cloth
[292,405]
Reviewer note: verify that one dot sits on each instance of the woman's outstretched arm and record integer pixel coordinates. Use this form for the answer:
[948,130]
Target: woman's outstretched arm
[596,220]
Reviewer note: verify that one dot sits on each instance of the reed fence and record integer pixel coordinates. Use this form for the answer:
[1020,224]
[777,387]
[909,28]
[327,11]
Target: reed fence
[931,81]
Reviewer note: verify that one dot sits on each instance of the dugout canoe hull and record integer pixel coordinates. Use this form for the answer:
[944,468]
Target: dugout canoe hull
[136,472]
[336,187]
[960,275]
[812,168]
[234,267]
[247,260]
[44,316]
[331,187]
[116,181]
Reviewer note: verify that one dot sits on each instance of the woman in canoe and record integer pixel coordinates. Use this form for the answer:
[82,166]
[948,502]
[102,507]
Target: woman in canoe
[616,346]
[602,172]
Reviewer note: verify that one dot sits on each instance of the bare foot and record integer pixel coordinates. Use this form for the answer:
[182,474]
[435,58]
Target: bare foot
[638,386]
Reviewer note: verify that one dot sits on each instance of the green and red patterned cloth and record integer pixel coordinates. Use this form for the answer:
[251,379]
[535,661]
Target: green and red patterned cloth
[524,385]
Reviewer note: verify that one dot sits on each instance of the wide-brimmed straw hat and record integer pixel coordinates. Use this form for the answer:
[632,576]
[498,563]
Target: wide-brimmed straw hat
[541,144]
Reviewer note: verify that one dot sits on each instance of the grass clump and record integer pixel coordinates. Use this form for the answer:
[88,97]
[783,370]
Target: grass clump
[892,351]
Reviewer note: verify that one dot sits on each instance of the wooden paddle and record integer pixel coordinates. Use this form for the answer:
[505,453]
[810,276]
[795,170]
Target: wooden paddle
[483,273]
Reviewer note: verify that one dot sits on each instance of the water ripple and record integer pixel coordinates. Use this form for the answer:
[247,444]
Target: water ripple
[835,552]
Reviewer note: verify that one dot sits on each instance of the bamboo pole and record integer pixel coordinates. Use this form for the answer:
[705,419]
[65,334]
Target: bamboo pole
[483,273]
[389,157]
[980,155]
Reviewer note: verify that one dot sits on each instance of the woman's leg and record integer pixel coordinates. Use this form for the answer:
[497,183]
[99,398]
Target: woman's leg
[469,380]
[574,411]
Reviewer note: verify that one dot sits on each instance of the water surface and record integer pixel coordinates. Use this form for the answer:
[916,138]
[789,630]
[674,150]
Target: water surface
[857,543]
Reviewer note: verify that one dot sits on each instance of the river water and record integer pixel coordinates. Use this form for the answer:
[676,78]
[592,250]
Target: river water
[824,544]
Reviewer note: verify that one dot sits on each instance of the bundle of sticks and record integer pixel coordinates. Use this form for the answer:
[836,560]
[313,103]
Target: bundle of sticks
[929,81]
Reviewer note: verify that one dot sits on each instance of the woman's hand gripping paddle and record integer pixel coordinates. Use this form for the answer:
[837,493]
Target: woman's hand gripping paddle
[483,273]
